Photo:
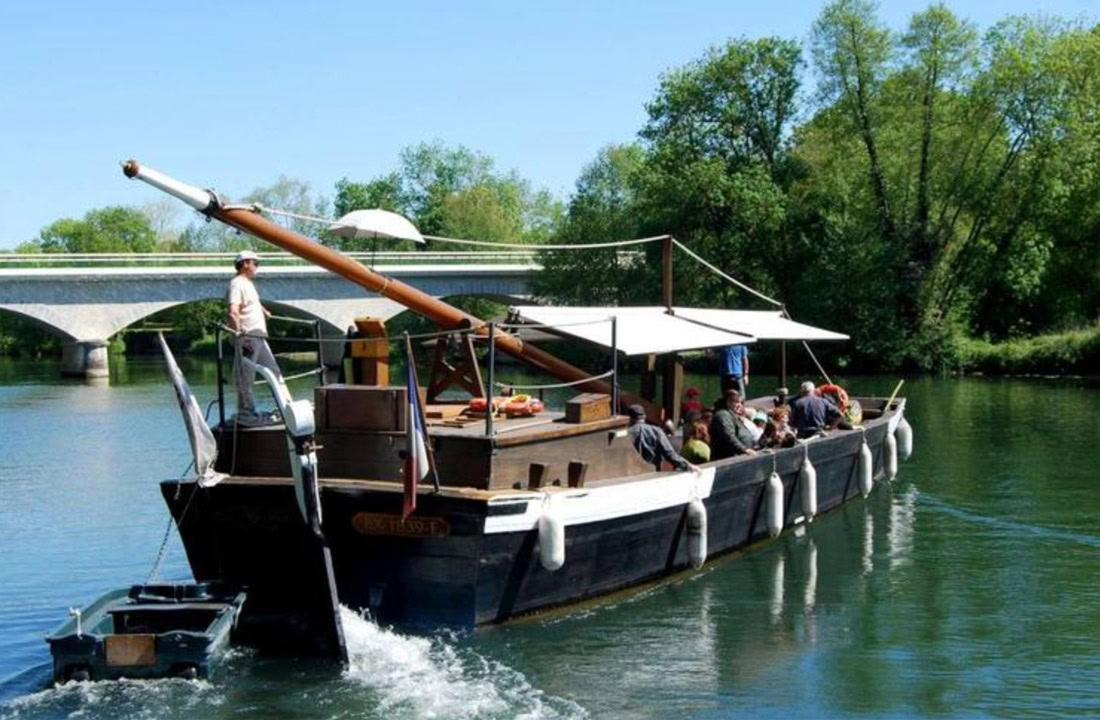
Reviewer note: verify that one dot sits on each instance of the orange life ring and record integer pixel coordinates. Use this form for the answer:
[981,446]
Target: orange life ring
[839,392]
[522,406]
[478,405]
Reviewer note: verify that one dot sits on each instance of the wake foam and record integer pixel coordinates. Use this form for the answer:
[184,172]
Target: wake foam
[434,678]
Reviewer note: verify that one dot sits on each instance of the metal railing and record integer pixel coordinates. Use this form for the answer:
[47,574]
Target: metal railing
[31,260]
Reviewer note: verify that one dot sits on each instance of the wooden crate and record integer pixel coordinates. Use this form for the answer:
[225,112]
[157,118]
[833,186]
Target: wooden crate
[588,407]
[361,407]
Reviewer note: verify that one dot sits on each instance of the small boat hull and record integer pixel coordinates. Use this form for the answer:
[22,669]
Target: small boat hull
[147,631]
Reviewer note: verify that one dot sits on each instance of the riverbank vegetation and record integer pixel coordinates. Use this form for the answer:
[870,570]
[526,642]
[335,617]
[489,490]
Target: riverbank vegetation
[930,190]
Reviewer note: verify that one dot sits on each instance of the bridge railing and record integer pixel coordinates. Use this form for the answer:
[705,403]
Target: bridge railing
[57,260]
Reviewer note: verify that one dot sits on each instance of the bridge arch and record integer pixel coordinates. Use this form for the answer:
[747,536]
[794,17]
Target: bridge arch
[87,305]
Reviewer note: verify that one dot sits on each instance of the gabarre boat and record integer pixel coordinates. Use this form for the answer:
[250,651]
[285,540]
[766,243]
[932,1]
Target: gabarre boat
[530,512]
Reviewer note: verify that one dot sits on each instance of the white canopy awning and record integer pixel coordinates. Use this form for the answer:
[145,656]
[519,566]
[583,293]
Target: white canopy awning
[639,330]
[762,324]
[652,329]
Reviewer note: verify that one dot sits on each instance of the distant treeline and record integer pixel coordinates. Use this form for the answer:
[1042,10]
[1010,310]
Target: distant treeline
[929,190]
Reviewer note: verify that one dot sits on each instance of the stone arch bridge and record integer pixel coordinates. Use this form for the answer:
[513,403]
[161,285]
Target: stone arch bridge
[86,306]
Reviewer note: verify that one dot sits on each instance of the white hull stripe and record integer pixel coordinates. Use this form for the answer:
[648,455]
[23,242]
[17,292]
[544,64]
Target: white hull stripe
[588,505]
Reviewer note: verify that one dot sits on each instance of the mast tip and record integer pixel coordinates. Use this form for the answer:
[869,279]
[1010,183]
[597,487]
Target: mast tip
[130,168]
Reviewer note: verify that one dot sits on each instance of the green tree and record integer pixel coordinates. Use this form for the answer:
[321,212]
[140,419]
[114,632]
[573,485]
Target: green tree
[605,206]
[454,192]
[105,230]
[717,166]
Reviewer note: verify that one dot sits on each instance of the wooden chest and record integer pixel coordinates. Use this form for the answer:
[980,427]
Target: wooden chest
[588,407]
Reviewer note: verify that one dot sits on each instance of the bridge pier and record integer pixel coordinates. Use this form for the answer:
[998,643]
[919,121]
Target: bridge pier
[84,358]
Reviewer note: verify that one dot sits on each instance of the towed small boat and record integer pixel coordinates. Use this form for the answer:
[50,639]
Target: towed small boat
[147,631]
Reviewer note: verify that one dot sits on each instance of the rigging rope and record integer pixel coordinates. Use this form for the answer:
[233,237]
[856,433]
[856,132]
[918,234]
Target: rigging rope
[257,207]
[529,246]
[582,381]
[718,272]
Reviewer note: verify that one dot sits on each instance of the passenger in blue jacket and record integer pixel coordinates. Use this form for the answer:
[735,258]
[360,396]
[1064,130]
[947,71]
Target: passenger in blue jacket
[811,413]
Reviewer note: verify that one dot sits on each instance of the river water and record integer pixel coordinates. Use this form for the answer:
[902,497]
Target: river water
[968,587]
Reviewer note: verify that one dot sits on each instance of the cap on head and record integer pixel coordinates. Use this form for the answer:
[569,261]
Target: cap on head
[692,392]
[245,255]
[760,416]
[806,388]
[635,412]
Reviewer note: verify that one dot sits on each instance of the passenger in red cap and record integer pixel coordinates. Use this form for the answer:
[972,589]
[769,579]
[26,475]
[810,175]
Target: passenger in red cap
[691,401]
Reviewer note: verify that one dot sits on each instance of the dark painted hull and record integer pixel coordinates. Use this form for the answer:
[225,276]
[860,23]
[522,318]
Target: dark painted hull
[249,532]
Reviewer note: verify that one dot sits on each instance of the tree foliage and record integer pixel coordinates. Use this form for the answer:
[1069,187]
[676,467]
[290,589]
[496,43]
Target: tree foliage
[114,229]
[940,184]
[454,192]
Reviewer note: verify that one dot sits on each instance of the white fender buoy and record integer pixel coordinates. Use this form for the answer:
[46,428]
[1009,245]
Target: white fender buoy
[891,456]
[905,439]
[866,468]
[807,479]
[697,533]
[551,537]
[775,505]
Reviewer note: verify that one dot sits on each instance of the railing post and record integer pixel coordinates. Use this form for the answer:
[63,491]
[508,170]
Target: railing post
[492,372]
[221,377]
[320,352]
[614,365]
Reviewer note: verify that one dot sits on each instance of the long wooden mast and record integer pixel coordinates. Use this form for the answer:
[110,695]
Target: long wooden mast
[442,314]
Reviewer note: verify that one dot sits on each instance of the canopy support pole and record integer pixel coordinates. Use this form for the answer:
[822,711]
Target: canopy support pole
[666,280]
[783,364]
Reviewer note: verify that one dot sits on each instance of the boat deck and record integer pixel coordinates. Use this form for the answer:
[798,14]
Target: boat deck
[521,431]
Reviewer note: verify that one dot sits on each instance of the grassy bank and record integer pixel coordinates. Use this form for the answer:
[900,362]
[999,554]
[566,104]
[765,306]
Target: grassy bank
[1075,352]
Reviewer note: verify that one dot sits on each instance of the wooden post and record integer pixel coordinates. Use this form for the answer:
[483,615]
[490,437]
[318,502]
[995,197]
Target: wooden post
[649,378]
[372,353]
[577,471]
[536,475]
[673,387]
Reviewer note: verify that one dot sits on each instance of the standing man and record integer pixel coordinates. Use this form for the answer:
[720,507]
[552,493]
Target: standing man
[734,368]
[249,319]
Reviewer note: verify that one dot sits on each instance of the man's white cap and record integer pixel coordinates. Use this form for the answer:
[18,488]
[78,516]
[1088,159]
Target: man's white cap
[245,255]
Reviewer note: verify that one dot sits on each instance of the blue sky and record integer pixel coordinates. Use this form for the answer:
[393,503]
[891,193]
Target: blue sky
[234,94]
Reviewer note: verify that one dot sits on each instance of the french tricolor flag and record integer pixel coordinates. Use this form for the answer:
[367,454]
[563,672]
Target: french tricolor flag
[417,466]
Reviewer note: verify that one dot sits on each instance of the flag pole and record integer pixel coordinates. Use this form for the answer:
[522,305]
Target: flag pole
[420,412]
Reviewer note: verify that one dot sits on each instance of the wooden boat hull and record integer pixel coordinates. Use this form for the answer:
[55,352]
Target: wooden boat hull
[471,557]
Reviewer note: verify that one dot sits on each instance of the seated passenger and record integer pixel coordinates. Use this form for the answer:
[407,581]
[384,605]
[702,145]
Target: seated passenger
[811,414]
[652,443]
[691,402]
[696,447]
[747,417]
[706,415]
[783,430]
[777,433]
[728,435]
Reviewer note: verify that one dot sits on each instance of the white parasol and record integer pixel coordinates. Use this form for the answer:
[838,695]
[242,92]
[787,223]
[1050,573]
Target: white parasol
[375,224]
